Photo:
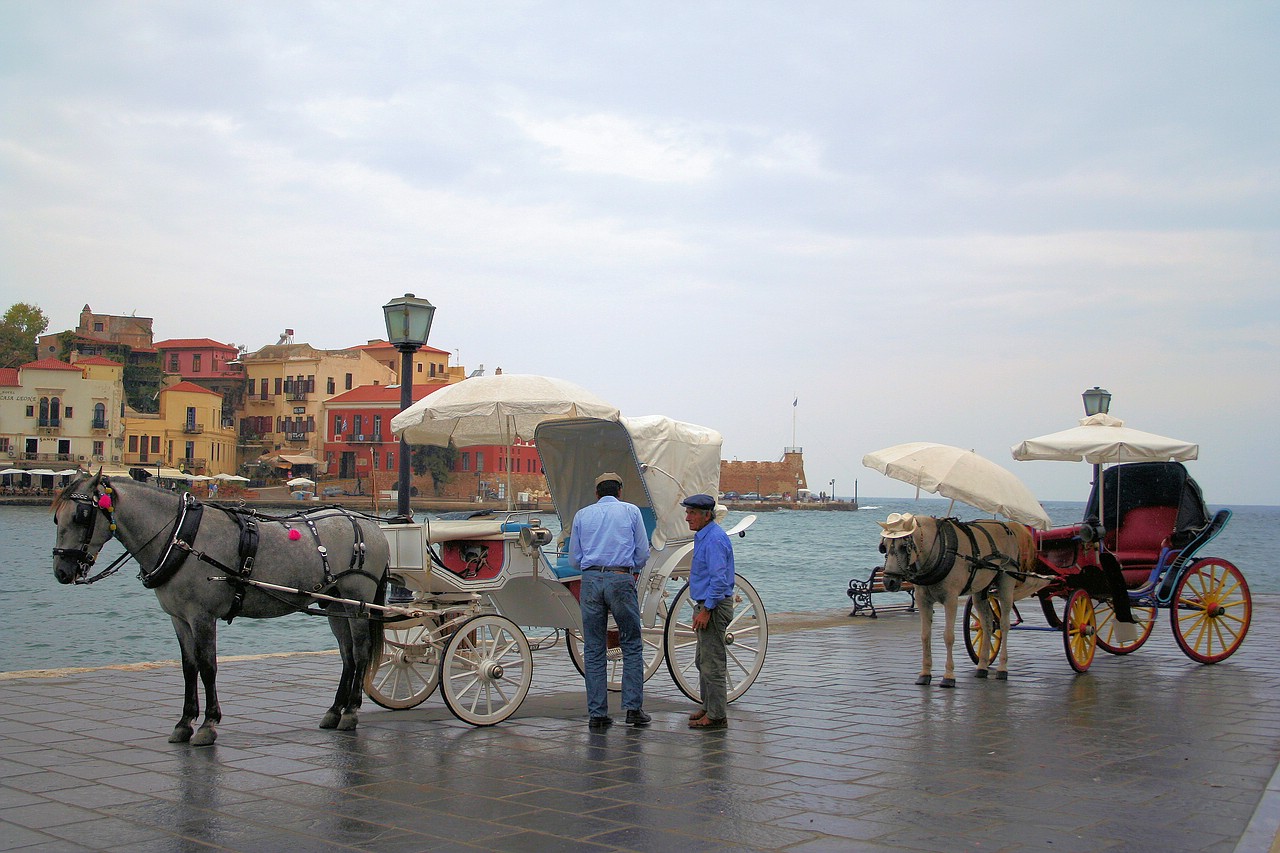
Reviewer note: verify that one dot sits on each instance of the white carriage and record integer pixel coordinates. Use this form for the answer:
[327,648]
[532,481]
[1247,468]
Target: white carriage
[478,582]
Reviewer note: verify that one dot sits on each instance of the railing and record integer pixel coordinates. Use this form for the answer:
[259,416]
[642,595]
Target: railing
[99,424]
[46,457]
[48,430]
[296,395]
[190,465]
[193,429]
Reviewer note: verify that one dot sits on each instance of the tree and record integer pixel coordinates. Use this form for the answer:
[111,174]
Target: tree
[19,328]
[435,460]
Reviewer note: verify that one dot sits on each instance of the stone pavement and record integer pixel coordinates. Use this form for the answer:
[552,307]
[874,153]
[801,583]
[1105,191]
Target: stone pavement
[834,748]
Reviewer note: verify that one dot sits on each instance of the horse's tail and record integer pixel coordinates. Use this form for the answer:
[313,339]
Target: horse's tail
[1026,547]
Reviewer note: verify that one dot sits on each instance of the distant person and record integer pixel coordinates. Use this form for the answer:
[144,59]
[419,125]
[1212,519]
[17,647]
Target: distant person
[608,542]
[711,579]
[213,489]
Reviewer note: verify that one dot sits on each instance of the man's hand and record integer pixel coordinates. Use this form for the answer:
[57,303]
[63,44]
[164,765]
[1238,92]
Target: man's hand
[701,620]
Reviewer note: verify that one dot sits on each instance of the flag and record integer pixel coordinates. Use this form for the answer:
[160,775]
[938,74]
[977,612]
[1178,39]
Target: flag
[795,402]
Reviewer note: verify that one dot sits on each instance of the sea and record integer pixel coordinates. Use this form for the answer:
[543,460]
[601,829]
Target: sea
[798,561]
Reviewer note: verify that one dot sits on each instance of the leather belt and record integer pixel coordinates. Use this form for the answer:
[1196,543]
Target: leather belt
[618,569]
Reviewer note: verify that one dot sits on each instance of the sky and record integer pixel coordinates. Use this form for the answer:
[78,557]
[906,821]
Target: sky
[833,225]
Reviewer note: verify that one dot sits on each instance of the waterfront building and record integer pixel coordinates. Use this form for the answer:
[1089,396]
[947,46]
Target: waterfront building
[429,364]
[359,444]
[59,415]
[187,433]
[209,364]
[127,340]
[286,386]
[785,477]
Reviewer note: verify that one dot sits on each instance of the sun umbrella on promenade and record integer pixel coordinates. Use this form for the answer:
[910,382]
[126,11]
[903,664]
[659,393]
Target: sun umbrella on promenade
[961,475]
[1101,440]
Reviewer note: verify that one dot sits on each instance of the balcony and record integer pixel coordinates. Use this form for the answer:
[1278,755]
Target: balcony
[191,465]
[99,425]
[296,396]
[295,436]
[257,400]
[193,429]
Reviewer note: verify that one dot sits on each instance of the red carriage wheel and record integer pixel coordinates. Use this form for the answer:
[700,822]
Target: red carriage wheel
[1211,610]
[1108,629]
[1079,630]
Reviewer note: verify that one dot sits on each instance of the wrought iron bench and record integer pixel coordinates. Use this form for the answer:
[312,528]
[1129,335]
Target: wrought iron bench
[863,595]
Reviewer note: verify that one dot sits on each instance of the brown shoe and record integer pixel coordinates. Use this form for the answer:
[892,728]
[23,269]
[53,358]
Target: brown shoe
[709,723]
[698,714]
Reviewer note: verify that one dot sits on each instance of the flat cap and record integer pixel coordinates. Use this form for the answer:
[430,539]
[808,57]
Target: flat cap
[608,477]
[699,502]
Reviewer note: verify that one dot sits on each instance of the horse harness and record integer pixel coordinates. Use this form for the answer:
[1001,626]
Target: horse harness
[182,538]
[942,560]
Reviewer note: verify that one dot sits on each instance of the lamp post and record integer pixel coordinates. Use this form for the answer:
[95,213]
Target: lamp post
[833,491]
[408,325]
[1097,401]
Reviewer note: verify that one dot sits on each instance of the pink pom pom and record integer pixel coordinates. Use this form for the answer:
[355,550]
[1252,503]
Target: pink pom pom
[104,501]
[295,535]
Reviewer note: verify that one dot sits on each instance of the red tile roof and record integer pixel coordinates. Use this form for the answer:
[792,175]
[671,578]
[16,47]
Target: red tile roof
[380,344]
[191,343]
[49,364]
[385,393]
[9,376]
[97,359]
[190,387]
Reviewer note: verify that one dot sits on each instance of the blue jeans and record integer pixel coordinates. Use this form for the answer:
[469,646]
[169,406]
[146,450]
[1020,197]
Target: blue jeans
[605,593]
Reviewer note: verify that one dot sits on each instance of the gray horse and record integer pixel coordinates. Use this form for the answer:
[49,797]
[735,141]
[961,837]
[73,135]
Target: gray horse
[946,559]
[194,557]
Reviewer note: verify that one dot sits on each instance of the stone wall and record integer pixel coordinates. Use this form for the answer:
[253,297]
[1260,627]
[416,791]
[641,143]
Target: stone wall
[783,477]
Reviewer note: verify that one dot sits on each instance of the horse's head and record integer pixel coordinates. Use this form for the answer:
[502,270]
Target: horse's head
[82,514]
[897,543]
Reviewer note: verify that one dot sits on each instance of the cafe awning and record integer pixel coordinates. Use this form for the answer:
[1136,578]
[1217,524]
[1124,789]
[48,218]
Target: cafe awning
[302,459]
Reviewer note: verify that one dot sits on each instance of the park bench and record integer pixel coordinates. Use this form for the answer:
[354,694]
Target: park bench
[863,592]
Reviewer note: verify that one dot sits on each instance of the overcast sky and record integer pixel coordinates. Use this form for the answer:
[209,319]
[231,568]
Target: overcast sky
[924,221]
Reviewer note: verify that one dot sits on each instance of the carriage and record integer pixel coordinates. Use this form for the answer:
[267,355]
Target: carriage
[1135,552]
[478,581]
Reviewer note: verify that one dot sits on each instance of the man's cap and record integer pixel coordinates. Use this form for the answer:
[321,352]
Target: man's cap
[699,502]
[609,477]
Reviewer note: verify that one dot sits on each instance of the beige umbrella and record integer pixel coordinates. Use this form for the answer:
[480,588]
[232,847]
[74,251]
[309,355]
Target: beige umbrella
[961,475]
[1102,439]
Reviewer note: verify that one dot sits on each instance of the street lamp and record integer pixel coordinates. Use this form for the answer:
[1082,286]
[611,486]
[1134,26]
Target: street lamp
[1097,401]
[833,490]
[408,325]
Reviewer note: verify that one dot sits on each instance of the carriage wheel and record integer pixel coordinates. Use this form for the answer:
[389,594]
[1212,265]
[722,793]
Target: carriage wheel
[409,668]
[1211,610]
[650,638]
[1108,628]
[487,670]
[1079,630]
[747,640]
[973,630]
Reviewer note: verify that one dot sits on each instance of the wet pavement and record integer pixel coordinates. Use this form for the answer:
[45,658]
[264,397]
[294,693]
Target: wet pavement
[834,748]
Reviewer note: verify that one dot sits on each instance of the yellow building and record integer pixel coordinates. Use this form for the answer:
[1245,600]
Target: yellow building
[286,386]
[187,434]
[58,415]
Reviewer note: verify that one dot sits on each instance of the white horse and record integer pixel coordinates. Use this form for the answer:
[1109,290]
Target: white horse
[946,559]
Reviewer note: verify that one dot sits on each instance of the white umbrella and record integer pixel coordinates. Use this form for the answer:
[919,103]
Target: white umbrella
[69,472]
[231,478]
[1102,439]
[961,475]
[42,472]
[300,481]
[496,410]
[200,478]
[7,471]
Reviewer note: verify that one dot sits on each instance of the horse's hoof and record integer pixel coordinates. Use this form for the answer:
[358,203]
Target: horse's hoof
[330,720]
[205,736]
[181,734]
[948,682]
[981,673]
[924,679]
[1002,676]
[348,722]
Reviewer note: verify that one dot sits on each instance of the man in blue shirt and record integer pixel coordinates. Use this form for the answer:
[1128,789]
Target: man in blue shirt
[608,542]
[711,589]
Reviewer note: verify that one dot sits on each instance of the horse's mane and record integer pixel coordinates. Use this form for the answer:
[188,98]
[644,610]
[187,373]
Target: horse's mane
[65,494]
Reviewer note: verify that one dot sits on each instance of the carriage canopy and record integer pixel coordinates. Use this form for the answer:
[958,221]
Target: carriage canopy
[661,461]
[1149,484]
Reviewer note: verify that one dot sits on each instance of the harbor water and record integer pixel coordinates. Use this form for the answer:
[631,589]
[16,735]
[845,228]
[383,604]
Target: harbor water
[798,560]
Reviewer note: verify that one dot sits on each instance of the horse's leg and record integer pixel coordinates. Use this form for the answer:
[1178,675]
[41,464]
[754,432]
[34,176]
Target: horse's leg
[206,648]
[1006,608]
[926,628]
[982,606]
[183,731]
[340,714]
[949,637]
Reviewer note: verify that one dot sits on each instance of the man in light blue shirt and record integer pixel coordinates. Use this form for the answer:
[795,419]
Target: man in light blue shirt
[711,578]
[608,542]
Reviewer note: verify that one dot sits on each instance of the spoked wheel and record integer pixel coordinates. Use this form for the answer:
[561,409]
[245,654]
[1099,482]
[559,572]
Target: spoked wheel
[408,668]
[651,640]
[486,671]
[1109,639]
[1079,630]
[747,640]
[973,630]
[1211,610]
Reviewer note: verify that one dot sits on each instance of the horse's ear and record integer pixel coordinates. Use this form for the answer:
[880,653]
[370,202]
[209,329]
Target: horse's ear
[97,478]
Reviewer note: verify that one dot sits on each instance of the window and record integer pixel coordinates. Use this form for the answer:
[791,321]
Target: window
[195,366]
[311,384]
[347,382]
[97,327]
[479,461]
[391,460]
[189,451]
[31,411]
[66,413]
[98,448]
[311,423]
[330,387]
[173,362]
[466,461]
[133,444]
[419,367]
[99,415]
[377,427]
[155,444]
[279,385]
[191,417]
[55,412]
[251,383]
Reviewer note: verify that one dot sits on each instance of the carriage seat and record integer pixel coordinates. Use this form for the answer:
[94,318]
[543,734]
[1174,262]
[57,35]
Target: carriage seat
[452,531]
[1143,535]
[1059,547]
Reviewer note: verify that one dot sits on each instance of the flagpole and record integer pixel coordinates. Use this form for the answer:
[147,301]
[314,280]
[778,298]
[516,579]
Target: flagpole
[795,404]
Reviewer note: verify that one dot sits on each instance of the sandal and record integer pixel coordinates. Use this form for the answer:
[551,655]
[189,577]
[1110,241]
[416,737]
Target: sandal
[706,722]
[698,714]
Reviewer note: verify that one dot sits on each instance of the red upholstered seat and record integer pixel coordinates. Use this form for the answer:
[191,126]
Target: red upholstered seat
[1144,532]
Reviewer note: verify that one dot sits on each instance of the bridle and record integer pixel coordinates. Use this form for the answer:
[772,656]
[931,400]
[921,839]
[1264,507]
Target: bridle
[88,508]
